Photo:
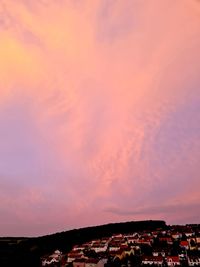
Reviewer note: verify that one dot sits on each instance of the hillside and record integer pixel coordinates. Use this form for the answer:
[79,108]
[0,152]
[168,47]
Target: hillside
[27,251]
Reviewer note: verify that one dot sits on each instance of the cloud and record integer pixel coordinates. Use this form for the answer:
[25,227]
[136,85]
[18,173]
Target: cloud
[99,108]
[165,209]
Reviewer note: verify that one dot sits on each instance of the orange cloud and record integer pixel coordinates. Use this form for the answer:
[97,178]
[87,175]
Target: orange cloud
[103,99]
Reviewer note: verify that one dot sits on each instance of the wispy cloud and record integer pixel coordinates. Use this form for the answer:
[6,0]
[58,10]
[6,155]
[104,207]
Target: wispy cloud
[158,210]
[99,107]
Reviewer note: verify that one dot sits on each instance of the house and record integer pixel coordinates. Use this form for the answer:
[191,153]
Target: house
[79,248]
[120,240]
[128,235]
[55,257]
[127,250]
[198,239]
[79,262]
[173,260]
[155,233]
[73,255]
[166,239]
[117,235]
[156,260]
[114,246]
[160,252]
[136,247]
[184,244]
[105,240]
[91,262]
[192,242]
[49,261]
[132,239]
[96,243]
[182,256]
[145,240]
[176,235]
[193,260]
[117,254]
[57,254]
[99,247]
[189,233]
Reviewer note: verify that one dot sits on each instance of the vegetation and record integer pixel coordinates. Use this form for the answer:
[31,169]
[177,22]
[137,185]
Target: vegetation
[27,251]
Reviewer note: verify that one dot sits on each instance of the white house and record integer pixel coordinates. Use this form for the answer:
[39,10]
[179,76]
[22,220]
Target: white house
[157,260]
[193,261]
[100,248]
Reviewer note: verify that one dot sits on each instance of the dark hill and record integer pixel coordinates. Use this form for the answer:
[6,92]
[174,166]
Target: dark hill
[27,251]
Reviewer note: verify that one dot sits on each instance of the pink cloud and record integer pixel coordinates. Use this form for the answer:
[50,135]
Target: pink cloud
[99,108]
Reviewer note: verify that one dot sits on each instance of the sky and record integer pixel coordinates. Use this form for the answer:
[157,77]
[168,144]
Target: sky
[99,113]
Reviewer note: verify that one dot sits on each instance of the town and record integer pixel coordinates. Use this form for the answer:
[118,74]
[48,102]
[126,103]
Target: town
[176,245]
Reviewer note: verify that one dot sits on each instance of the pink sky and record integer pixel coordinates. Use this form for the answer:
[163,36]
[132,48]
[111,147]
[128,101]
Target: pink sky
[99,113]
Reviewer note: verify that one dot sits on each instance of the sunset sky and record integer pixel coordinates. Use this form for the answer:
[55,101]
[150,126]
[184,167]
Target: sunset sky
[99,113]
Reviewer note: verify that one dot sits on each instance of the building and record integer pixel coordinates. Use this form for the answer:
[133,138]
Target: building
[173,260]
[156,260]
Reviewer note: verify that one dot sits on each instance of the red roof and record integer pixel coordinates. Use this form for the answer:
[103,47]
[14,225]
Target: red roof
[152,258]
[173,258]
[80,260]
[95,261]
[124,247]
[184,243]
[74,255]
[114,244]
[165,238]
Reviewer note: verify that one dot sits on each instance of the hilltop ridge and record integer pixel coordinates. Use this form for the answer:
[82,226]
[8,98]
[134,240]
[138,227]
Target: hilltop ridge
[20,251]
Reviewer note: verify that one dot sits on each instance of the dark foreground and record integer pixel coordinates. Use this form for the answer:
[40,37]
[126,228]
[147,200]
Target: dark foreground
[26,252]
